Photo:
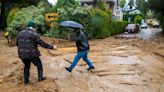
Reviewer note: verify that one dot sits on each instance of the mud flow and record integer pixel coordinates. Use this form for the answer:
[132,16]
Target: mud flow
[122,64]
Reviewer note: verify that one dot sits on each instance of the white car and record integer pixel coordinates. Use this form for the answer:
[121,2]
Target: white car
[144,26]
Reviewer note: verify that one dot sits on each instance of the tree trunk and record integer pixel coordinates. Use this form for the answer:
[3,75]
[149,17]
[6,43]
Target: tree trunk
[94,3]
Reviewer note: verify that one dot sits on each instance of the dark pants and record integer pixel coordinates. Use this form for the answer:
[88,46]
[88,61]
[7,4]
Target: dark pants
[37,62]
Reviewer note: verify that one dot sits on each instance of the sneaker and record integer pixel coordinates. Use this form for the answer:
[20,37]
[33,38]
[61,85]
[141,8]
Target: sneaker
[91,68]
[42,79]
[68,69]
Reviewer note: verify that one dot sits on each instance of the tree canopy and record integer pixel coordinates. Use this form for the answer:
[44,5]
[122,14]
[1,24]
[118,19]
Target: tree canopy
[157,5]
[7,5]
[122,3]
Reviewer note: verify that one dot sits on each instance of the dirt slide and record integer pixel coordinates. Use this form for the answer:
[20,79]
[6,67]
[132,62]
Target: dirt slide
[122,65]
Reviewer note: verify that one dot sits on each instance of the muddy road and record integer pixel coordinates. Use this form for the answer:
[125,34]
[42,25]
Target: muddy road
[122,65]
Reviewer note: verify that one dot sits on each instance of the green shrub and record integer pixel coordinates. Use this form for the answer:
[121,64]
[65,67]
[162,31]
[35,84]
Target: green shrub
[79,14]
[102,5]
[66,4]
[132,16]
[23,16]
[100,22]
[118,27]
[11,15]
[138,19]
[121,26]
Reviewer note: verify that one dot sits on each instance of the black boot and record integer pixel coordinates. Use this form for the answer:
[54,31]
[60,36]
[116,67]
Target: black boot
[67,68]
[26,81]
[91,68]
[42,79]
[40,76]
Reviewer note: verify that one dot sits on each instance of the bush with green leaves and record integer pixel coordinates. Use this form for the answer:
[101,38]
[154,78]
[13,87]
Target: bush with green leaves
[102,5]
[23,16]
[66,4]
[122,3]
[118,27]
[100,23]
[81,14]
[97,22]
[138,19]
[11,15]
[132,16]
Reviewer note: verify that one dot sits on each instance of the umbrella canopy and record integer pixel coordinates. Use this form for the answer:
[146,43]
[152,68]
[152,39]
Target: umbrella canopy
[71,24]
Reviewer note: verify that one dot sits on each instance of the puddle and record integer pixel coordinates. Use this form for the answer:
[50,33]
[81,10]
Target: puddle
[124,60]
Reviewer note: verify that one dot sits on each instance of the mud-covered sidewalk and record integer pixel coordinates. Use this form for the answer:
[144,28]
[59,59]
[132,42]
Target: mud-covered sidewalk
[122,65]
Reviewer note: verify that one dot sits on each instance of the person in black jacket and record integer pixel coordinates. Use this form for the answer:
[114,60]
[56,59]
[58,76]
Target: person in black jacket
[27,42]
[83,49]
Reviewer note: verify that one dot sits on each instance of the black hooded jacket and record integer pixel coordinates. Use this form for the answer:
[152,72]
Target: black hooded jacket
[82,42]
[27,42]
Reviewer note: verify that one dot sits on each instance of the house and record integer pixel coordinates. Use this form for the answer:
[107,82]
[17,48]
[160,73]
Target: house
[112,5]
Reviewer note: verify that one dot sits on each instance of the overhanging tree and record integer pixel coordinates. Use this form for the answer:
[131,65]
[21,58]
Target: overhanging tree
[157,5]
[7,5]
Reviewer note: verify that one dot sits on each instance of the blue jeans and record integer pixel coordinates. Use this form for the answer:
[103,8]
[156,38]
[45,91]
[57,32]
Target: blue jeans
[80,55]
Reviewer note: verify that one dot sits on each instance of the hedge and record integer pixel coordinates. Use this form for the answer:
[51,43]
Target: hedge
[138,19]
[126,16]
[118,27]
[100,22]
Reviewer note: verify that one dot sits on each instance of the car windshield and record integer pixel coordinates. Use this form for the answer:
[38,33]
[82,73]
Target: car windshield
[144,24]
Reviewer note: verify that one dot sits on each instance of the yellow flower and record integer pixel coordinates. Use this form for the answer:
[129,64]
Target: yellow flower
[6,33]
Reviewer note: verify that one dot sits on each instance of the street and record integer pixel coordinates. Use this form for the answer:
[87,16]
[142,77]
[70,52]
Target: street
[121,65]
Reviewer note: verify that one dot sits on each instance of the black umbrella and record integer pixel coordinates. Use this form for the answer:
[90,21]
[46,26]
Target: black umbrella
[71,24]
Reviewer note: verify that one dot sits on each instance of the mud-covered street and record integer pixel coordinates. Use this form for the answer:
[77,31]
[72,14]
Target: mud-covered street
[121,65]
